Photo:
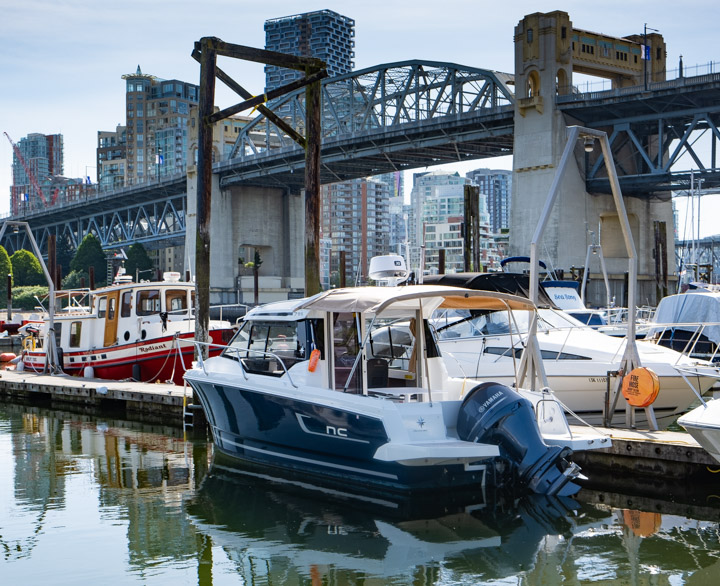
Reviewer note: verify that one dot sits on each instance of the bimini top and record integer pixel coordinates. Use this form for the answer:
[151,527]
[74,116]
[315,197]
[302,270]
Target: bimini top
[376,300]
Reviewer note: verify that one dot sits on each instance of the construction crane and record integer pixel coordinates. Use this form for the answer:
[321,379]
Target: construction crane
[30,175]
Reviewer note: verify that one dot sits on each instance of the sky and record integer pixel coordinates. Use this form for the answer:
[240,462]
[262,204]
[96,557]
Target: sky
[61,61]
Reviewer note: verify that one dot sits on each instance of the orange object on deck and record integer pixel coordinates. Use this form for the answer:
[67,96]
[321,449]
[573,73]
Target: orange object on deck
[640,387]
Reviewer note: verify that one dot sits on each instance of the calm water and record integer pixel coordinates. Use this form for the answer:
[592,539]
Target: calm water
[85,500]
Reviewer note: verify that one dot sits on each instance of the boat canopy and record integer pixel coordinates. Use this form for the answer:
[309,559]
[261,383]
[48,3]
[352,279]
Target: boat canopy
[693,308]
[376,300]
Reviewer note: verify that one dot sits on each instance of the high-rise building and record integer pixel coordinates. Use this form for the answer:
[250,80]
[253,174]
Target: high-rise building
[111,158]
[496,185]
[356,220]
[436,217]
[323,34]
[43,158]
[153,141]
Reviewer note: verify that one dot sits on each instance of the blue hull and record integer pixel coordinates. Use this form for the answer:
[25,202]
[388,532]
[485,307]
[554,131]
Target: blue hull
[331,446]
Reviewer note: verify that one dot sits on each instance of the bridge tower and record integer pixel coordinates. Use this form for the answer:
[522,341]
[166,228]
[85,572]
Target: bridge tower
[547,52]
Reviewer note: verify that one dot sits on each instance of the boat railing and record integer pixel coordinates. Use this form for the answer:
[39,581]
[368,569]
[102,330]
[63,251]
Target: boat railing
[241,359]
[688,338]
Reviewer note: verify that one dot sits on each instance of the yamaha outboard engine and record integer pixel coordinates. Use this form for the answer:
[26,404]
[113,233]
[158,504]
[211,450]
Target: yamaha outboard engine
[495,414]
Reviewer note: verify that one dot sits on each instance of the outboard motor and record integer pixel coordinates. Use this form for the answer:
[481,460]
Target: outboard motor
[495,414]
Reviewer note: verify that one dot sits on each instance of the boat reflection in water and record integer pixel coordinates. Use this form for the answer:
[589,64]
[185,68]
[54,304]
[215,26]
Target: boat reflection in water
[293,533]
[284,524]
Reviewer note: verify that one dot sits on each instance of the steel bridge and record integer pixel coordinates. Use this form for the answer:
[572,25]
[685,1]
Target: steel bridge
[151,213]
[416,114]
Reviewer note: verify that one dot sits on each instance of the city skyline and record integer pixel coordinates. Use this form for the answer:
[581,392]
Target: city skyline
[66,61]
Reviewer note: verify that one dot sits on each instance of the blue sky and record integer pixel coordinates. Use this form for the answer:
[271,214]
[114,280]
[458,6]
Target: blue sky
[62,60]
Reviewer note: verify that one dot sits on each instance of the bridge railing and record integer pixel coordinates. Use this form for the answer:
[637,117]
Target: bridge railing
[571,94]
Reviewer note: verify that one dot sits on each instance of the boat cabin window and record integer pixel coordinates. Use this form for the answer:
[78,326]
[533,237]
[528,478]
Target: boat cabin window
[102,306]
[126,304]
[75,332]
[176,301]
[148,302]
[264,346]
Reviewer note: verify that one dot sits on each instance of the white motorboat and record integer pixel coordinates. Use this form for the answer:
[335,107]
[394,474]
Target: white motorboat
[303,387]
[127,330]
[703,423]
[578,360]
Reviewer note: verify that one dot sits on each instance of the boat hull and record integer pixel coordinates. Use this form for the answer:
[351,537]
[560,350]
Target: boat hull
[162,359]
[334,445]
[703,423]
[585,396]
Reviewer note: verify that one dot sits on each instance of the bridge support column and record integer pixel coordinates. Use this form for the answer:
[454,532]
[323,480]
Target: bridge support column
[543,67]
[245,219]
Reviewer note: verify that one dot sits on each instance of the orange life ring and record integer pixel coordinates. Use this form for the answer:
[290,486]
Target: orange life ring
[640,387]
[7,357]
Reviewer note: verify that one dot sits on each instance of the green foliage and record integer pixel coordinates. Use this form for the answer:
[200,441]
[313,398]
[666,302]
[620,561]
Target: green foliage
[5,270]
[138,260]
[64,252]
[90,254]
[24,297]
[254,264]
[26,269]
[74,280]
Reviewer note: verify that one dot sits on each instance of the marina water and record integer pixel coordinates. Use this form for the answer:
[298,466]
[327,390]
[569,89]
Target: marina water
[91,500]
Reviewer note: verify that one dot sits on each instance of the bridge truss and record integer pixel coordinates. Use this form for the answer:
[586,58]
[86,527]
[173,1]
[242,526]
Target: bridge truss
[657,136]
[392,117]
[152,214]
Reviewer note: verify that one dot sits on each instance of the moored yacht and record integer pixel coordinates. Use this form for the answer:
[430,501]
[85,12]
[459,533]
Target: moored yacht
[128,330]
[305,388]
[578,360]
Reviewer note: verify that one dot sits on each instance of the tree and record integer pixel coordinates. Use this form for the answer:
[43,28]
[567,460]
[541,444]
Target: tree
[5,270]
[64,252]
[90,254]
[138,260]
[26,269]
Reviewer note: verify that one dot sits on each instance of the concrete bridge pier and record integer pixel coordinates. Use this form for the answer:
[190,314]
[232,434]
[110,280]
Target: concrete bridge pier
[547,51]
[245,219]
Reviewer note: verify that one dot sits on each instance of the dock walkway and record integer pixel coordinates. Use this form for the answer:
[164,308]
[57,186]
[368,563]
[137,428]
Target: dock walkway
[165,401]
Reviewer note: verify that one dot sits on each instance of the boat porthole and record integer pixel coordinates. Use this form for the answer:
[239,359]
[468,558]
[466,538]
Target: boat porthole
[126,336]
[143,334]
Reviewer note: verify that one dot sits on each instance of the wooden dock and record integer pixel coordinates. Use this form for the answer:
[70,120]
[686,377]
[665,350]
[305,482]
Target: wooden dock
[159,402]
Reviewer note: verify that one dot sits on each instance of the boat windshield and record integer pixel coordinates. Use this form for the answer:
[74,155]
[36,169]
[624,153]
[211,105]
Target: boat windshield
[467,324]
[262,345]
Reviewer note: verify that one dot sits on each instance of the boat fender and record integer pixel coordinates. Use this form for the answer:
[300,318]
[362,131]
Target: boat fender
[640,387]
[89,372]
[7,356]
[314,357]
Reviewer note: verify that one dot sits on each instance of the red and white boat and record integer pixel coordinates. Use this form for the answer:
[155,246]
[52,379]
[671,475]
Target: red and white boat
[128,330]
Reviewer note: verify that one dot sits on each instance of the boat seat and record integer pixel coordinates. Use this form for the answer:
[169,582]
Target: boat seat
[377,373]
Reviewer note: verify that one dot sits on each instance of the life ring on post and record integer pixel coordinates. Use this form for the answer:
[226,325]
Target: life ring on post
[640,387]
